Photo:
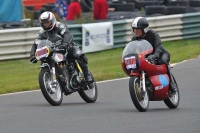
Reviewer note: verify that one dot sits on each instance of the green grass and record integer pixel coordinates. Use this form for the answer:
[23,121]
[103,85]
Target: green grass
[19,75]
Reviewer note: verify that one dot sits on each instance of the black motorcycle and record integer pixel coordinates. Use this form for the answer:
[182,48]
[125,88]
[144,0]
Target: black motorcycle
[60,74]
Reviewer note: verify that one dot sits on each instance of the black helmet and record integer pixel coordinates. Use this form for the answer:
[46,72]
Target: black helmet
[47,17]
[140,23]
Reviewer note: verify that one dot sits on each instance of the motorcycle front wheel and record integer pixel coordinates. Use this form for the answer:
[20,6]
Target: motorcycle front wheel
[140,99]
[89,95]
[51,92]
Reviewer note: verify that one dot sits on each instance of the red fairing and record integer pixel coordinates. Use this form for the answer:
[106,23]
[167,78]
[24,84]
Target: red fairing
[124,68]
[156,73]
[161,89]
[150,68]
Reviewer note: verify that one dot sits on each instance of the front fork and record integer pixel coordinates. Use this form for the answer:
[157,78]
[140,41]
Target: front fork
[51,67]
[142,84]
[142,80]
[53,72]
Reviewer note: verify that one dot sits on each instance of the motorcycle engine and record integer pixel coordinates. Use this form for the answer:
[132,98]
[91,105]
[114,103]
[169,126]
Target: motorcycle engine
[74,79]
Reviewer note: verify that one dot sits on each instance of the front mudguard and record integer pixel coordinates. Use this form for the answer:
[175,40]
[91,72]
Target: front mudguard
[135,74]
[45,65]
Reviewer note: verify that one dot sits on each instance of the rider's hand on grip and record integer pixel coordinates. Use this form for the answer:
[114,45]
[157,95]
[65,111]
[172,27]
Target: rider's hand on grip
[152,57]
[33,59]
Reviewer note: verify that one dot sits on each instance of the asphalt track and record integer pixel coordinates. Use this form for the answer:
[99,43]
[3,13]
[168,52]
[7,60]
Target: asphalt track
[113,112]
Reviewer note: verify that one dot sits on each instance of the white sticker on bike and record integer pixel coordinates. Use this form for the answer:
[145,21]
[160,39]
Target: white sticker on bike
[130,62]
[159,87]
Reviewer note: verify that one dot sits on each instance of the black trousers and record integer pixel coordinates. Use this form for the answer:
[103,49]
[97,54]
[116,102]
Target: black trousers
[75,53]
[164,59]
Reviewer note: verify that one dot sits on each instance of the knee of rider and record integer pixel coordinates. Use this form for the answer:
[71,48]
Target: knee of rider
[77,53]
[84,59]
[165,59]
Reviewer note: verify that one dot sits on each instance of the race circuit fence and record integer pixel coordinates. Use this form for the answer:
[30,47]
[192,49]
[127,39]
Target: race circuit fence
[16,43]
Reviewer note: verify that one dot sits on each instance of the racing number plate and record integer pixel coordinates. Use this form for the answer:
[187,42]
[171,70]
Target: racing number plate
[130,62]
[43,52]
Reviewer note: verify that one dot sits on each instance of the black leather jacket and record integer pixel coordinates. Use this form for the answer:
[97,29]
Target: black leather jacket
[154,39]
[59,35]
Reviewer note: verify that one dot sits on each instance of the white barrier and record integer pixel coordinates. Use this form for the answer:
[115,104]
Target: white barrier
[16,43]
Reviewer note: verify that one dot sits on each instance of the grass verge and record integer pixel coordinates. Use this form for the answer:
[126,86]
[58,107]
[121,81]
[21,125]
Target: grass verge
[19,75]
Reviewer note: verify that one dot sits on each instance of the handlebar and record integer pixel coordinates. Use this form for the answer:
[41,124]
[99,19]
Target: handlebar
[33,61]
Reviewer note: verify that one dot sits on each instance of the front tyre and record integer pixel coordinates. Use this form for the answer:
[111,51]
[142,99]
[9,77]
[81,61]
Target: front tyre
[89,95]
[140,99]
[51,92]
[173,101]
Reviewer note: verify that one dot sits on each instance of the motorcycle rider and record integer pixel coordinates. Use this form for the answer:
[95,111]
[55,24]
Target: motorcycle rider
[59,35]
[141,31]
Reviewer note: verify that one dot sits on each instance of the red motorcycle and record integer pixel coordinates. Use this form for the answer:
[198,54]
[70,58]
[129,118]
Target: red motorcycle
[148,82]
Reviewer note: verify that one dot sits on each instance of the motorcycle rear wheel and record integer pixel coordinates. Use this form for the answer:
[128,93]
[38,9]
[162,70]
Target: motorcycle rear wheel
[53,95]
[173,101]
[141,101]
[89,95]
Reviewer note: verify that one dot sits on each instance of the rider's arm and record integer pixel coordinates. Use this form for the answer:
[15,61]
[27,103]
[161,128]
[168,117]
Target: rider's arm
[36,42]
[33,49]
[67,36]
[158,47]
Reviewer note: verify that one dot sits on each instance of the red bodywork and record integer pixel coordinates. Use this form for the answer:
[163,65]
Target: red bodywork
[156,73]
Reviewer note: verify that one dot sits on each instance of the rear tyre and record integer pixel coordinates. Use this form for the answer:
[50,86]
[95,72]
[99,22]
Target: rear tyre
[173,101]
[89,95]
[150,10]
[52,94]
[139,99]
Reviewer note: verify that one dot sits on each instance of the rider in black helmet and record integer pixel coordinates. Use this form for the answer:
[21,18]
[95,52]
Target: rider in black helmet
[141,31]
[59,34]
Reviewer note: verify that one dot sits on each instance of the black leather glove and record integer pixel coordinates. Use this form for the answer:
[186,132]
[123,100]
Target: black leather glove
[152,57]
[33,59]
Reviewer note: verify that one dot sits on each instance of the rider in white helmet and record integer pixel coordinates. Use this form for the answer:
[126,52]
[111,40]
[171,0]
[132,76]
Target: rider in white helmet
[59,34]
[141,31]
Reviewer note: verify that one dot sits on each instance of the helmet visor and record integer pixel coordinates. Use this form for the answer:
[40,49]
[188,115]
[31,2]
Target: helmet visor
[46,23]
[137,32]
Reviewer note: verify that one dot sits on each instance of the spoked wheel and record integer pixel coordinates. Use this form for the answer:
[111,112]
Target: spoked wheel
[89,95]
[51,91]
[140,99]
[173,101]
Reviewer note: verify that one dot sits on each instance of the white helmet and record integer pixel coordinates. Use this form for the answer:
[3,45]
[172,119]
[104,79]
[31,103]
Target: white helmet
[140,23]
[47,17]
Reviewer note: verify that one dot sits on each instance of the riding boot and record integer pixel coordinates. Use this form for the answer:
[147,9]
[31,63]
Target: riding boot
[87,75]
[172,85]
